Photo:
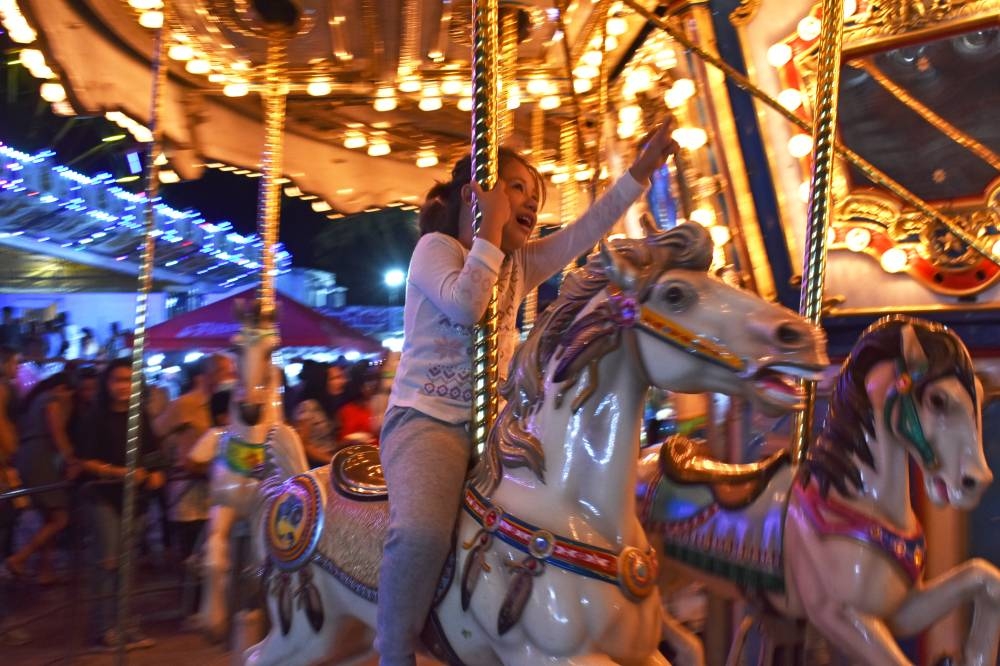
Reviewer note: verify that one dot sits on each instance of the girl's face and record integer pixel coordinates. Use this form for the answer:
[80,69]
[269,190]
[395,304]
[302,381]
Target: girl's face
[522,193]
[335,381]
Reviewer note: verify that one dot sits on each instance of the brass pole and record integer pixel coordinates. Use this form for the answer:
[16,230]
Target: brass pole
[508,73]
[537,147]
[145,284]
[269,196]
[569,191]
[821,199]
[869,170]
[485,360]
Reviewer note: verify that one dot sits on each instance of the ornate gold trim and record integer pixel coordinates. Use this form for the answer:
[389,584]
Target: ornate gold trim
[745,13]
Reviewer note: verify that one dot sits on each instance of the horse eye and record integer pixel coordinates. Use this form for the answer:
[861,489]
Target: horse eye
[937,401]
[677,296]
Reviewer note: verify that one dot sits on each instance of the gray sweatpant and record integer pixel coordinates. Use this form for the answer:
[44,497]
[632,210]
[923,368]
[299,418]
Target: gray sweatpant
[425,462]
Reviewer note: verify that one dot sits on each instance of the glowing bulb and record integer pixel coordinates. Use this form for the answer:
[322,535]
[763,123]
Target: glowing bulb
[52,92]
[610,43]
[514,97]
[665,59]
[32,58]
[805,189]
[684,87]
[355,140]
[703,216]
[143,5]
[857,239]
[465,104]
[451,86]
[379,147]
[236,89]
[616,26]
[538,87]
[430,98]
[180,52]
[592,58]
[319,87]
[790,98]
[560,177]
[410,84]
[996,249]
[640,79]
[198,66]
[630,114]
[385,99]
[720,235]
[585,72]
[581,85]
[894,260]
[549,102]
[690,138]
[850,6]
[800,145]
[427,159]
[152,20]
[626,130]
[809,28]
[779,54]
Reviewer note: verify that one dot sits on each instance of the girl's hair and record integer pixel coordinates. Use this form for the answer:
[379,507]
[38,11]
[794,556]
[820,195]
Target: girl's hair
[443,203]
[44,385]
[314,386]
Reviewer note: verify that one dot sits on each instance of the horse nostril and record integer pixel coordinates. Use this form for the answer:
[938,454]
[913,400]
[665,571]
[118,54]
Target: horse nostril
[969,482]
[789,334]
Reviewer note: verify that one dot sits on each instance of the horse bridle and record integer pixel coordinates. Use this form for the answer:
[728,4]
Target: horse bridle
[633,315]
[907,422]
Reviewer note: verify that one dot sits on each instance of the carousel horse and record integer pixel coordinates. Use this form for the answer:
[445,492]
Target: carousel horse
[550,564]
[256,421]
[835,541]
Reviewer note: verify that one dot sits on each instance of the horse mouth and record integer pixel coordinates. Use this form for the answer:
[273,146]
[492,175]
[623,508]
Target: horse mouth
[250,412]
[778,385]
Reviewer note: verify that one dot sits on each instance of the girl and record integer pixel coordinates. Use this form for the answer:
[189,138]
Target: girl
[426,443]
[315,416]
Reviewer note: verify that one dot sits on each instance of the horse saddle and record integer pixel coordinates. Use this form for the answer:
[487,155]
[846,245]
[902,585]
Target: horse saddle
[356,473]
[688,461]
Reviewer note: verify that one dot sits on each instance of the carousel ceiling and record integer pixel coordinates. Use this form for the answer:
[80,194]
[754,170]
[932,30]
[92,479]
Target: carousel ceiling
[378,95]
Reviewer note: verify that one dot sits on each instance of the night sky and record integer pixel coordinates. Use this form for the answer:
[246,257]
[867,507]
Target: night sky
[358,248]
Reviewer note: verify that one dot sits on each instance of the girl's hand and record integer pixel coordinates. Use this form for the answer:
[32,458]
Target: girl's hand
[658,146]
[495,207]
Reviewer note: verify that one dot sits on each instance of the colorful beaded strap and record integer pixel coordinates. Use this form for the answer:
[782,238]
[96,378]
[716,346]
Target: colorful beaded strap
[633,570]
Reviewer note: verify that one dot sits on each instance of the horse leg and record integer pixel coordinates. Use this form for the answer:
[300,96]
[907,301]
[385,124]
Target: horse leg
[685,644]
[213,610]
[975,580]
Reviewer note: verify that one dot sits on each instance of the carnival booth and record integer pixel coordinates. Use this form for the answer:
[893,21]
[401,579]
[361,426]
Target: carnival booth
[838,159]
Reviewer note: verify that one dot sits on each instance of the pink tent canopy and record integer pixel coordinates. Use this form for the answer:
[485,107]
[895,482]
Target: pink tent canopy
[213,327]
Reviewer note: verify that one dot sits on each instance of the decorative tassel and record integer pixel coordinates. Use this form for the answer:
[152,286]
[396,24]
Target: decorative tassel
[474,564]
[308,598]
[519,592]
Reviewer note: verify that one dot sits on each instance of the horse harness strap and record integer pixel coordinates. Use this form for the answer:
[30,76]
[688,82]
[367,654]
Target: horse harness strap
[906,550]
[632,314]
[631,569]
[907,421]
[241,456]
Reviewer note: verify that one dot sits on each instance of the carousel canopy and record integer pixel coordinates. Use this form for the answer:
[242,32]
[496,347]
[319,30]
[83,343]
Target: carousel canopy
[214,325]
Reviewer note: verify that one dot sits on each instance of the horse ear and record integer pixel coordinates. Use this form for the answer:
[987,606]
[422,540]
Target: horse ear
[913,354]
[618,273]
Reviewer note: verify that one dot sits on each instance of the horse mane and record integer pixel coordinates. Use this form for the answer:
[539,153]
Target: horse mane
[833,458]
[559,333]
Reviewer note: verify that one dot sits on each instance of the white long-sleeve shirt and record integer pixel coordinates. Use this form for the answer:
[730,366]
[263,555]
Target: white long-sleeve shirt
[448,289]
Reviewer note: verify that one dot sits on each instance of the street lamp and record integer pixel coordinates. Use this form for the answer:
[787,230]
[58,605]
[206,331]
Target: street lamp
[394,279]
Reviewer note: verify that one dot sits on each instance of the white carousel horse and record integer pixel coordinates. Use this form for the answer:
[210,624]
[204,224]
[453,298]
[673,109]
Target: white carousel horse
[551,564]
[835,541]
[256,420]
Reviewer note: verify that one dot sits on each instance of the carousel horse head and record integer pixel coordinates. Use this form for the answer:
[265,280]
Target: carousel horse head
[695,333]
[911,382]
[256,341]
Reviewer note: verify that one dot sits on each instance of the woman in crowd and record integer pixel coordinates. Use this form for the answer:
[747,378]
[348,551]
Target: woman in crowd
[45,456]
[103,460]
[357,416]
[315,416]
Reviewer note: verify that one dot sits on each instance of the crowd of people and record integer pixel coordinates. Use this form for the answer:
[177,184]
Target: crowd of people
[67,432]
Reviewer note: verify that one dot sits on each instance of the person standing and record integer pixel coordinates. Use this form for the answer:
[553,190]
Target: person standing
[103,459]
[315,415]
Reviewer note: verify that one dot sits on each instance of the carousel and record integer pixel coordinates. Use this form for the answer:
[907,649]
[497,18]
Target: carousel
[813,273]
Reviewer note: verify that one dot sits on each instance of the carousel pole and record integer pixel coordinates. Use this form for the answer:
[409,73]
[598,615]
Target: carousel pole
[821,197]
[145,283]
[485,359]
[269,196]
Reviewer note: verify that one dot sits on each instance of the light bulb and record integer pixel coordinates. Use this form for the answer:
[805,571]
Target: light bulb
[800,145]
[385,99]
[180,52]
[616,26]
[549,102]
[560,177]
[427,159]
[894,260]
[790,98]
[355,140]
[630,114]
[319,87]
[236,89]
[538,87]
[610,43]
[592,58]
[198,66]
[465,104]
[703,216]
[585,72]
[640,79]
[720,235]
[52,92]
[857,239]
[809,28]
[690,138]
[779,54]
[379,147]
[410,84]
[32,58]
[451,86]
[581,85]
[152,20]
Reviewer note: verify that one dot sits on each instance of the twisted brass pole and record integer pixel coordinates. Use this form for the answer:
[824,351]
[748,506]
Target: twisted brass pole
[869,170]
[269,196]
[145,283]
[485,360]
[821,199]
